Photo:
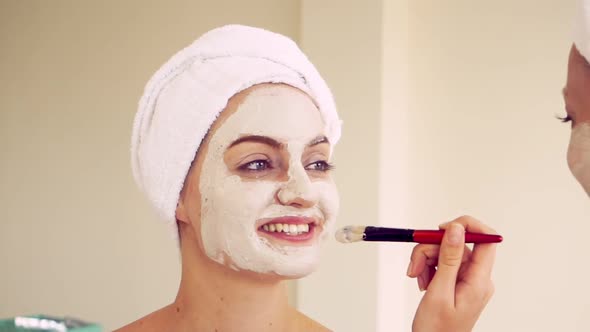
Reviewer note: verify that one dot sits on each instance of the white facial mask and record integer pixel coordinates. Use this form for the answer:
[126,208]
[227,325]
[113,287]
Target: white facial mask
[578,154]
[231,206]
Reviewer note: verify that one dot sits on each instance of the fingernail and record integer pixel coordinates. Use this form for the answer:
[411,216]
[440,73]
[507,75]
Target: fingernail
[456,233]
[410,268]
[421,283]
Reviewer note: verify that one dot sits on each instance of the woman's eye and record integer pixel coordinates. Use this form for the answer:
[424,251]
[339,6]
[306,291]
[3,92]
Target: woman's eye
[321,166]
[256,165]
[566,119]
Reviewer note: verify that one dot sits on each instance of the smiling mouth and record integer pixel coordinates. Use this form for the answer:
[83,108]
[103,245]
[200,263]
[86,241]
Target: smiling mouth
[290,228]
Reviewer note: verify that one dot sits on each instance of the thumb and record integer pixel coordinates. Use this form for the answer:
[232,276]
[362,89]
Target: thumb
[449,261]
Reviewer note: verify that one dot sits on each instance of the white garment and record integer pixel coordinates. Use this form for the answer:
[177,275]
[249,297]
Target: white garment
[185,96]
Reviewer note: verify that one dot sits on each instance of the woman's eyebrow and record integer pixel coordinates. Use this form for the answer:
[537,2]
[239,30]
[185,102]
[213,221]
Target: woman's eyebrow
[318,140]
[257,139]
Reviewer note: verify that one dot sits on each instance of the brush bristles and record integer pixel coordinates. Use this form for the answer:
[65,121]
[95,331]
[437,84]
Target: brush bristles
[350,234]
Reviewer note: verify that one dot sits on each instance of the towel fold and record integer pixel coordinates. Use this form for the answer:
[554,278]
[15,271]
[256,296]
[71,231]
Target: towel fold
[184,97]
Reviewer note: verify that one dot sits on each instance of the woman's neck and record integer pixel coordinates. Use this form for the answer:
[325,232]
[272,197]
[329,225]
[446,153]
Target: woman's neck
[213,297]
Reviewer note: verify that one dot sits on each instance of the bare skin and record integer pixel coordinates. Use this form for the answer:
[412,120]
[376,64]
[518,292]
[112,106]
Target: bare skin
[211,296]
[576,93]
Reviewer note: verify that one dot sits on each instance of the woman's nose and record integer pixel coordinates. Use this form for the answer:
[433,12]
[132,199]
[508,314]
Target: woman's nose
[297,190]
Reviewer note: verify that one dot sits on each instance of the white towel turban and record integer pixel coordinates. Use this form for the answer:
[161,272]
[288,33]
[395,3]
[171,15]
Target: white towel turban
[185,96]
[582,28]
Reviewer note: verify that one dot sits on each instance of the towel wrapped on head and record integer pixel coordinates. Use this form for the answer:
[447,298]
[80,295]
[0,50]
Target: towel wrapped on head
[184,97]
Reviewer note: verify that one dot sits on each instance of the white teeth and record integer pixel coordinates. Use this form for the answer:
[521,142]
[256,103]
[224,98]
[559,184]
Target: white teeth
[287,228]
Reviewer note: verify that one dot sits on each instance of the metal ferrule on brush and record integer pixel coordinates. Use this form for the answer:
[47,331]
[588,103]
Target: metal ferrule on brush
[388,234]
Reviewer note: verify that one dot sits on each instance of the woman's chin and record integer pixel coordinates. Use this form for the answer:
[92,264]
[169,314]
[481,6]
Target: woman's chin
[300,267]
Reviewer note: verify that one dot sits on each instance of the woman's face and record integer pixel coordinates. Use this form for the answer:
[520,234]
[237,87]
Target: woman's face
[265,192]
[577,102]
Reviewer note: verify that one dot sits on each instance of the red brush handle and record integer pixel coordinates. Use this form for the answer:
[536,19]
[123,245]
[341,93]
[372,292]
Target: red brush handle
[435,237]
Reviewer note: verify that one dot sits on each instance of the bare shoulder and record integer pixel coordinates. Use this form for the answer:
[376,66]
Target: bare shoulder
[157,321]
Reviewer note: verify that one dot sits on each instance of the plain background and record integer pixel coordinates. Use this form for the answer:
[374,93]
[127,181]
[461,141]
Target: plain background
[448,107]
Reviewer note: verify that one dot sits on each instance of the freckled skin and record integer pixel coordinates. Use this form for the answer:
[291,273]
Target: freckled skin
[577,103]
[577,90]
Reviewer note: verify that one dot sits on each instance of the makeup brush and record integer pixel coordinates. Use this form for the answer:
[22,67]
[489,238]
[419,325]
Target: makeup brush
[351,234]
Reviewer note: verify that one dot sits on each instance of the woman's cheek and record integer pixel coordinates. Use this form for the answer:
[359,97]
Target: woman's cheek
[329,204]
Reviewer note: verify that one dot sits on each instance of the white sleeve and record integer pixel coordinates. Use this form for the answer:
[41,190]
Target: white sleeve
[582,28]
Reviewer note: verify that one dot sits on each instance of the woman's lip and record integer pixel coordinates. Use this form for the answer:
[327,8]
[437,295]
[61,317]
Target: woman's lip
[303,238]
[299,239]
[292,220]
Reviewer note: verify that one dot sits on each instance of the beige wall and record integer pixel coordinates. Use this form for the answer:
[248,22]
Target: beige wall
[342,294]
[466,94]
[448,109]
[484,84]
[76,237]
[486,81]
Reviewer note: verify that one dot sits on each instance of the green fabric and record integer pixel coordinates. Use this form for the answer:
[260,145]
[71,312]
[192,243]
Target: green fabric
[71,325]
